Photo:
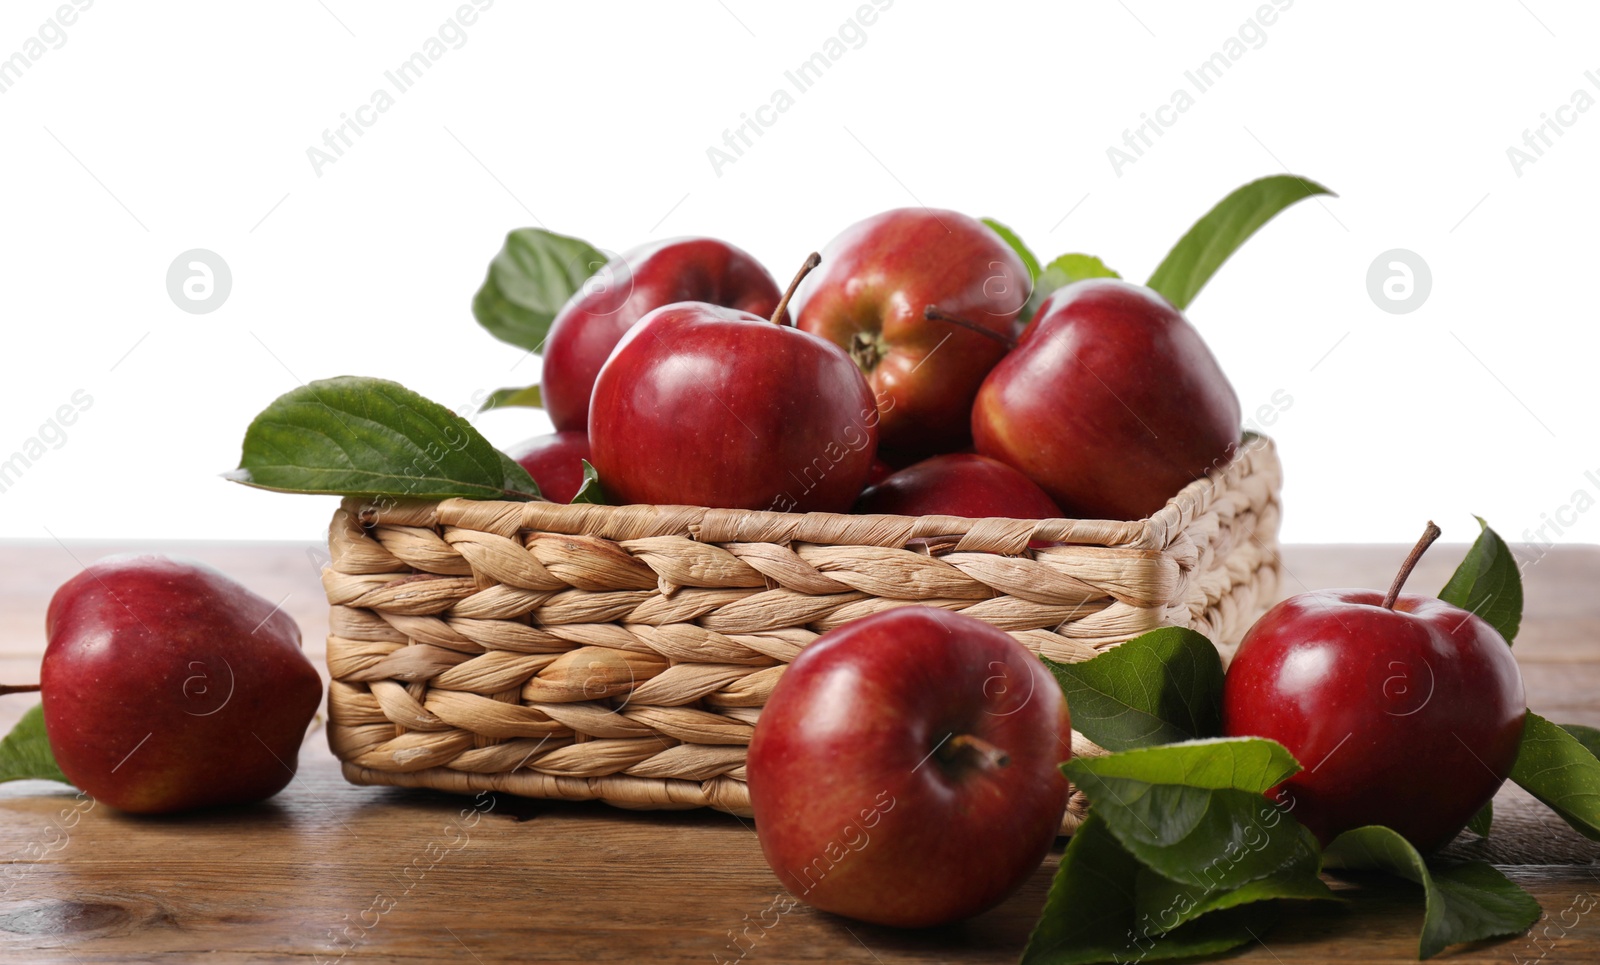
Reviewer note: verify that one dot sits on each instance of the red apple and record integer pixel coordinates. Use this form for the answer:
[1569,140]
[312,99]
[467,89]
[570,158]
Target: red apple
[1111,402]
[555,461]
[168,686]
[959,484]
[1405,711]
[707,406]
[876,280]
[589,326]
[905,770]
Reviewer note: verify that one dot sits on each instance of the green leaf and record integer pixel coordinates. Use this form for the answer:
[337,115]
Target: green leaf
[1070,268]
[1062,272]
[1589,737]
[1158,688]
[25,752]
[1092,913]
[1251,764]
[1488,583]
[1556,767]
[1465,902]
[1170,904]
[1217,235]
[530,279]
[1195,812]
[590,491]
[1010,237]
[1483,820]
[530,397]
[366,437]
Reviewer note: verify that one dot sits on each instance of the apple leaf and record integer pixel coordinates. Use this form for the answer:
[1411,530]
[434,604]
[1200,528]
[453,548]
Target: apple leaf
[530,279]
[1158,688]
[1070,268]
[1170,904]
[25,752]
[1589,737]
[530,397]
[1062,272]
[1092,913]
[1195,812]
[1217,235]
[590,491]
[1483,820]
[1029,260]
[1465,902]
[1555,767]
[1488,583]
[366,437]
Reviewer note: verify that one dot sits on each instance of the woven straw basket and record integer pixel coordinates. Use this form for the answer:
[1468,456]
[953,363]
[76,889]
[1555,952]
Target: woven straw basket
[623,653]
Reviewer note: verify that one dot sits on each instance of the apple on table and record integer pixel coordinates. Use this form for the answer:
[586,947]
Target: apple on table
[168,686]
[905,770]
[1404,710]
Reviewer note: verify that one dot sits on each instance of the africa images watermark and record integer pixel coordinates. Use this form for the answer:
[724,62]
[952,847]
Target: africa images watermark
[451,35]
[51,35]
[853,838]
[1538,139]
[51,435]
[1554,524]
[852,35]
[348,935]
[1253,32]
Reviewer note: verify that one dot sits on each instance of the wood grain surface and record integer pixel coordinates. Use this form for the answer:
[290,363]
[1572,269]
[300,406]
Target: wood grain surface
[327,871]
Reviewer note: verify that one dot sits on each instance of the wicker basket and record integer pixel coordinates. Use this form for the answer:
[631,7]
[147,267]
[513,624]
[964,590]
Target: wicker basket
[623,653]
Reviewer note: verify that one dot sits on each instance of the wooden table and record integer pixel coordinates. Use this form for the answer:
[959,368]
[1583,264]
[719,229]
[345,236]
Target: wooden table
[389,875]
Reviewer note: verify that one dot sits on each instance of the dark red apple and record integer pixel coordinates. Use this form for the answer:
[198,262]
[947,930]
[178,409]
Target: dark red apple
[555,461]
[1404,711]
[168,686]
[959,484]
[876,280]
[707,406]
[905,770]
[1111,402]
[589,326]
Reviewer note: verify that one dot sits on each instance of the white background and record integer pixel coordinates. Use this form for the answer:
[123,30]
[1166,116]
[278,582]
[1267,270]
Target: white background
[161,127]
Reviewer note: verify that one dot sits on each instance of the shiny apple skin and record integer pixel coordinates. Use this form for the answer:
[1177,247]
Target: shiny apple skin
[168,686]
[874,282]
[959,484]
[591,323]
[858,813]
[555,461]
[707,406]
[1408,718]
[1111,403]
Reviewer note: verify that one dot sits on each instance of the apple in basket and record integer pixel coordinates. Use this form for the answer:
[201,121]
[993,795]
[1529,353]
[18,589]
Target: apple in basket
[626,289]
[1111,402]
[905,770]
[959,484]
[869,298]
[707,406]
[555,461]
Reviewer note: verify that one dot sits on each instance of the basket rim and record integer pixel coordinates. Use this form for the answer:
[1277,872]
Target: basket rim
[994,534]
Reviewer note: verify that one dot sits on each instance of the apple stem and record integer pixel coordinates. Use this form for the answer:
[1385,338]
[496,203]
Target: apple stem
[18,689]
[1428,536]
[812,261]
[960,744]
[933,314]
